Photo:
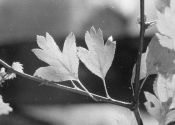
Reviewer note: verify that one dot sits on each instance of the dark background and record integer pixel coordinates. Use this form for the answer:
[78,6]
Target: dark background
[21,21]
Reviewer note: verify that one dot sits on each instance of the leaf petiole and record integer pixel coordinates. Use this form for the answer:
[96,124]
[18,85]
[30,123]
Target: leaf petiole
[81,84]
[106,90]
[143,82]
[74,85]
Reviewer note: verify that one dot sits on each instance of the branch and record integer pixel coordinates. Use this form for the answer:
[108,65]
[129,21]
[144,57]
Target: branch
[74,89]
[138,64]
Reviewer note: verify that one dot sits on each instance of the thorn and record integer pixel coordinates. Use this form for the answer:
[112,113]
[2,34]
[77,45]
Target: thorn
[110,38]
[138,19]
[149,24]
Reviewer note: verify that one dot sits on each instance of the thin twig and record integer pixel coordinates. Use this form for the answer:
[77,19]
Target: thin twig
[74,90]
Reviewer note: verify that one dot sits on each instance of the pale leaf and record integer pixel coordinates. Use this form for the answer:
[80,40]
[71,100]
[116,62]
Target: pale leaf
[10,75]
[166,22]
[165,87]
[70,50]
[94,40]
[89,58]
[170,117]
[159,59]
[133,74]
[153,106]
[172,106]
[99,56]
[4,107]
[171,86]
[162,90]
[17,66]
[63,65]
[165,41]
[47,57]
[143,68]
[52,73]
[109,52]
[162,4]
[172,5]
[165,26]
[2,74]
[47,43]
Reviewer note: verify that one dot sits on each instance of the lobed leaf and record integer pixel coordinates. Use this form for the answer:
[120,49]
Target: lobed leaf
[70,50]
[4,107]
[162,88]
[99,56]
[47,43]
[89,58]
[143,68]
[17,66]
[52,73]
[165,41]
[170,117]
[153,106]
[62,65]
[159,59]
[165,26]
[162,4]
[156,59]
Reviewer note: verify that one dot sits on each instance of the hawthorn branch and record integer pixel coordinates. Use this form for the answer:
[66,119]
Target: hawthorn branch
[138,63]
[71,89]
[137,86]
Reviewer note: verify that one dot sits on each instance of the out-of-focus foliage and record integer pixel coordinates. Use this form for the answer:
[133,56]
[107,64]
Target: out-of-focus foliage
[7,75]
[4,107]
[161,61]
[23,19]
[161,105]
[165,26]
[89,114]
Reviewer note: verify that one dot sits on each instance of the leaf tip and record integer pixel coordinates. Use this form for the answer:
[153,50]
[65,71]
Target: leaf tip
[39,38]
[92,30]
[47,34]
[71,35]
[146,94]
[110,38]
[49,37]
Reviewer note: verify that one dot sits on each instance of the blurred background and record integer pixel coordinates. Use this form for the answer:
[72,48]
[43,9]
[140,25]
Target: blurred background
[22,20]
